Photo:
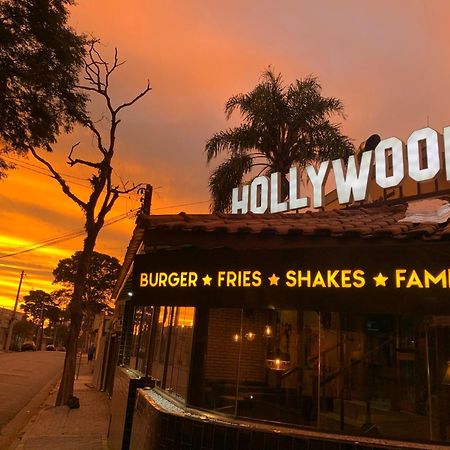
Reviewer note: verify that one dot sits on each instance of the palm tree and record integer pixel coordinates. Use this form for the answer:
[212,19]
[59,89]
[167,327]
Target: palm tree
[281,126]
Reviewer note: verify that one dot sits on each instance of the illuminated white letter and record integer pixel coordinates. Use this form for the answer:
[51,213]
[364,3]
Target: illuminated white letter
[354,181]
[318,182]
[242,204]
[398,163]
[259,193]
[295,201]
[447,151]
[275,191]
[431,138]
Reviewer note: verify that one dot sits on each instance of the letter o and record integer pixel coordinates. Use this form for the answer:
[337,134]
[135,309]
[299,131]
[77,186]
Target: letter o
[398,169]
[259,195]
[433,161]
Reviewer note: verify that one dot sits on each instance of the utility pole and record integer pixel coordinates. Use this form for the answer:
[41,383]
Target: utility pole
[13,317]
[146,199]
[40,330]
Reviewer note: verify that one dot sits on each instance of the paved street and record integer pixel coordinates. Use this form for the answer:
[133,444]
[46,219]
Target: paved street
[22,377]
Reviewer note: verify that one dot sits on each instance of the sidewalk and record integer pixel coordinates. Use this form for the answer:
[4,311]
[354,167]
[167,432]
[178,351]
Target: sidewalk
[61,428]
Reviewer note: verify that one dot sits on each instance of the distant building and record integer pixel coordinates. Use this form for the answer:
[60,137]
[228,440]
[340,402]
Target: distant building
[5,317]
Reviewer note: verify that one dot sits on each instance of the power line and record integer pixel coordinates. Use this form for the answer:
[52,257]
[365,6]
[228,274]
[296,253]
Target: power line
[17,160]
[66,237]
[74,234]
[41,172]
[180,205]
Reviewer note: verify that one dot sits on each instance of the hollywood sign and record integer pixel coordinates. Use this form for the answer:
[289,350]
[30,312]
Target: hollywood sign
[423,157]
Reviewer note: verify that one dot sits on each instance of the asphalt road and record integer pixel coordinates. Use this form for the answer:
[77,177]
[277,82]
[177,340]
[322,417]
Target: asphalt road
[22,377]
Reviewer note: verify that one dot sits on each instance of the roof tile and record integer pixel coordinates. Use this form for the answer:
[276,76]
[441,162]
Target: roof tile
[366,222]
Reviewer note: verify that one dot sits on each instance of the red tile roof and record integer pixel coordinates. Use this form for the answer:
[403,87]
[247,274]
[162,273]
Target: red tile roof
[362,222]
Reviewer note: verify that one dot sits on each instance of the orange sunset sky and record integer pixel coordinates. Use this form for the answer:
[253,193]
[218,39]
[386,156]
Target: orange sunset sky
[387,60]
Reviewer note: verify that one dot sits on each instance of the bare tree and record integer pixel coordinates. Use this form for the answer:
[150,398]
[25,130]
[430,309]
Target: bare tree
[103,195]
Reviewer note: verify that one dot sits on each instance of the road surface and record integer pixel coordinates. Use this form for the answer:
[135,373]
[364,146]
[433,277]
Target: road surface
[22,376]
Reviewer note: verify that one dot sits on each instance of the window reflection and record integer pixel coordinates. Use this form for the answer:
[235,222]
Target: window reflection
[359,374]
[173,344]
[140,337]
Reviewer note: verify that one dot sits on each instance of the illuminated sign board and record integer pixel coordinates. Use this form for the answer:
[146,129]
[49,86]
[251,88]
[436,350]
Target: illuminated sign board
[339,278]
[372,278]
[391,160]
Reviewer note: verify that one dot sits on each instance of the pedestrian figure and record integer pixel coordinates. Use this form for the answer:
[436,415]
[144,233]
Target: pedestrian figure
[91,352]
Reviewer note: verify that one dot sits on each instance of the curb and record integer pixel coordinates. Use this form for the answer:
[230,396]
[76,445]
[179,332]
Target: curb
[12,432]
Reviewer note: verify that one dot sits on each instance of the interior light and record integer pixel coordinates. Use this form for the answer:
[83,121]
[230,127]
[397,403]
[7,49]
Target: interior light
[250,336]
[267,331]
[278,361]
[236,337]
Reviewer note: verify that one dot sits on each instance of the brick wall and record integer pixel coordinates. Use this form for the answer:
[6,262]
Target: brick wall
[223,351]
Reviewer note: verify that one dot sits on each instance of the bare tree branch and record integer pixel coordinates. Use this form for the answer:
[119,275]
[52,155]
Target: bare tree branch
[127,104]
[72,162]
[127,191]
[98,136]
[65,188]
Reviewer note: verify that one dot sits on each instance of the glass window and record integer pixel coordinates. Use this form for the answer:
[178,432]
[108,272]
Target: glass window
[135,336]
[221,364]
[372,374]
[157,367]
[173,345]
[144,341]
[369,374]
[180,351]
[140,337]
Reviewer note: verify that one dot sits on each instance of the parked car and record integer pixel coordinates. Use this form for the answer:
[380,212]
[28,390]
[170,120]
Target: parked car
[29,346]
[50,348]
[61,349]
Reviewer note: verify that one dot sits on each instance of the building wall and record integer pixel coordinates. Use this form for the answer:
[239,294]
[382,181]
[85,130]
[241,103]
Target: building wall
[5,317]
[223,352]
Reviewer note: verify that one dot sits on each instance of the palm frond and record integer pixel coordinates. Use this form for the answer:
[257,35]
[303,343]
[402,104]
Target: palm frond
[233,103]
[281,126]
[235,140]
[227,176]
[322,142]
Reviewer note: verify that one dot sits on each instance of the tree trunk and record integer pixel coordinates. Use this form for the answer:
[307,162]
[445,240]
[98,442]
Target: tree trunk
[76,315]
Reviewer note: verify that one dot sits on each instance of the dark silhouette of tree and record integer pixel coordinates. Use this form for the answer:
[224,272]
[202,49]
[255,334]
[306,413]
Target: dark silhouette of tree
[39,306]
[103,273]
[51,105]
[281,126]
[105,190]
[40,58]
[23,330]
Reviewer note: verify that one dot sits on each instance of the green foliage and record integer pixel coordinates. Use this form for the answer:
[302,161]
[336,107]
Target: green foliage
[281,126]
[40,60]
[24,329]
[39,304]
[103,273]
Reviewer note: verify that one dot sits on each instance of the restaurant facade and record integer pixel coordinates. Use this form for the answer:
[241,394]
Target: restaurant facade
[283,330]
[327,329]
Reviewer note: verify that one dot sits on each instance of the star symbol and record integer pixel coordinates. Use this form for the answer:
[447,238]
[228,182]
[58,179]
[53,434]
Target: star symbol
[207,280]
[273,280]
[380,280]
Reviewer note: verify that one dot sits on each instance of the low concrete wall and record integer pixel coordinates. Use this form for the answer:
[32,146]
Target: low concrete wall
[161,425]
